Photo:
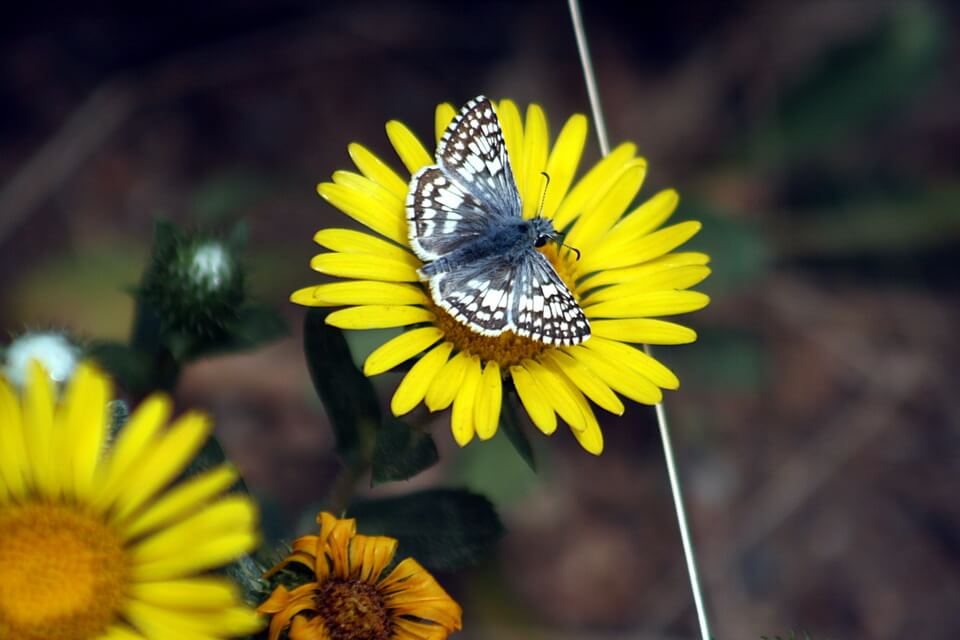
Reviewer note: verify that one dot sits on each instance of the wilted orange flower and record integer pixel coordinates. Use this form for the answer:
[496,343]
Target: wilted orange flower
[349,600]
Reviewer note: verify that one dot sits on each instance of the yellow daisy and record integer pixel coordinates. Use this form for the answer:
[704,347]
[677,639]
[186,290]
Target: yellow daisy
[92,543]
[349,600]
[628,276]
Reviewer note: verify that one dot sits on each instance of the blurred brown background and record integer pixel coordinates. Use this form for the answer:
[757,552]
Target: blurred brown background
[816,429]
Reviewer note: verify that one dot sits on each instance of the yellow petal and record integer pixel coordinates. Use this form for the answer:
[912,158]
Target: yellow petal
[444,387]
[640,271]
[489,399]
[183,499]
[390,222]
[563,162]
[38,411]
[678,278]
[533,398]
[647,217]
[408,147]
[512,126]
[191,593]
[378,316]
[372,188]
[377,170]
[597,180]
[634,358]
[400,349]
[536,142]
[643,331]
[585,380]
[624,381]
[13,450]
[235,513]
[162,463]
[364,267]
[606,207]
[590,437]
[135,442]
[194,558]
[85,417]
[414,385]
[120,631]
[442,118]
[614,256]
[359,292]
[351,241]
[648,303]
[461,422]
[557,393]
[370,555]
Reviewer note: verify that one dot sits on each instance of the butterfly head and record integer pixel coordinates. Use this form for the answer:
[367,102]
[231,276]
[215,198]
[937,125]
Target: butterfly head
[542,232]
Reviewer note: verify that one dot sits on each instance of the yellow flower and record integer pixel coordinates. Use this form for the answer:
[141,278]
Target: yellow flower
[92,543]
[349,600]
[629,274]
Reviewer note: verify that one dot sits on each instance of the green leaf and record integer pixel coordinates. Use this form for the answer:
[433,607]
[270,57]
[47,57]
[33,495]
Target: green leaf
[496,471]
[131,368]
[255,325]
[511,427]
[444,529]
[401,452]
[347,394]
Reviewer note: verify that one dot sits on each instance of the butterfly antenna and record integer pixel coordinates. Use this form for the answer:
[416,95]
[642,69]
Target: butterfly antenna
[543,194]
[562,244]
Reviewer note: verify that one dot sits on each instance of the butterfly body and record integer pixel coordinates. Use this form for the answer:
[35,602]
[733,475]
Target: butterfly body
[509,241]
[481,260]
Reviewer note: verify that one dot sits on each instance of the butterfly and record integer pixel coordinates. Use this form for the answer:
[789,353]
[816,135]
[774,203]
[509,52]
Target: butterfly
[465,222]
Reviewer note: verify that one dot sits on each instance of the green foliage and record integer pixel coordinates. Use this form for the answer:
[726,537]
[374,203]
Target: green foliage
[444,529]
[496,471]
[510,426]
[187,308]
[401,452]
[347,395]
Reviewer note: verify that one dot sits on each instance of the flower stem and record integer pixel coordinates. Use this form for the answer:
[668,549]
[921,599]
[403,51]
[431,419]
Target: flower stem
[685,538]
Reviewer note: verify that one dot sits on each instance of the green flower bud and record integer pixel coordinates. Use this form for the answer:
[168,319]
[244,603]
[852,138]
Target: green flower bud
[194,284]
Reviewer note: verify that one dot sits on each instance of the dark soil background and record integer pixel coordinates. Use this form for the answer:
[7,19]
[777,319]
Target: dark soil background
[816,428]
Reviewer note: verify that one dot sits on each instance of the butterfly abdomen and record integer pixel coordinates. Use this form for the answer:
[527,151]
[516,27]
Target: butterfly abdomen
[504,241]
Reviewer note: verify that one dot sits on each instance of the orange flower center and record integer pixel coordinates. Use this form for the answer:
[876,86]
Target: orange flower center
[507,349]
[352,610]
[63,573]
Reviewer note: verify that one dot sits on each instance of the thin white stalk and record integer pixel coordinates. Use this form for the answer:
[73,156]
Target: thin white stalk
[688,550]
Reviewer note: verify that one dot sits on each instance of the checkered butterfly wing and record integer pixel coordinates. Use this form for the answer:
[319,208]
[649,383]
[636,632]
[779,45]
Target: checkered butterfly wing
[542,307]
[442,215]
[478,295]
[455,204]
[473,150]
[470,188]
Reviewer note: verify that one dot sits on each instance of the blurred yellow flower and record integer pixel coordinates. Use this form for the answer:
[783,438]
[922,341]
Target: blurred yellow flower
[92,543]
[629,273]
[349,600]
